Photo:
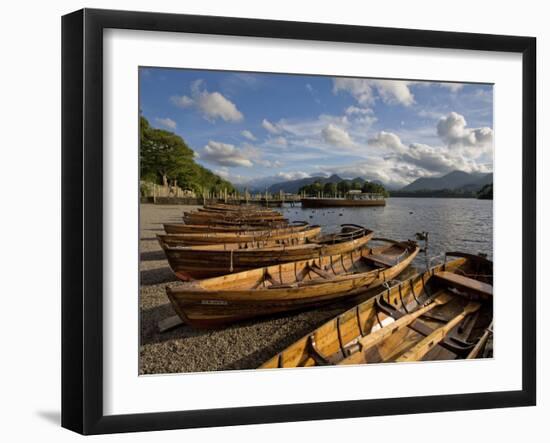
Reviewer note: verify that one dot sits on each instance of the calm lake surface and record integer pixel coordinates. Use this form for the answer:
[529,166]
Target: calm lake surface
[454,224]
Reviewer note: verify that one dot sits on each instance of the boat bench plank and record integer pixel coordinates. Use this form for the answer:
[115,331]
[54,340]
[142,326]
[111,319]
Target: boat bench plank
[381,259]
[465,282]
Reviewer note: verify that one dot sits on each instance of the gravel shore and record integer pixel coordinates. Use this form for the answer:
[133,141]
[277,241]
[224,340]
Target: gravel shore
[245,345]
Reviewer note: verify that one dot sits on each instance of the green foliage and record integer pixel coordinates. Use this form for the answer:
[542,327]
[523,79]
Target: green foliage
[312,189]
[438,193]
[486,193]
[165,158]
[330,189]
[374,188]
[343,187]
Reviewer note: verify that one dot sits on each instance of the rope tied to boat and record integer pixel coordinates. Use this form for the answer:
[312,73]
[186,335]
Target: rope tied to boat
[231,260]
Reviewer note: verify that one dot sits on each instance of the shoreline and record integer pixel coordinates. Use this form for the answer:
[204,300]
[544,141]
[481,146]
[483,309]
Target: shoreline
[244,345]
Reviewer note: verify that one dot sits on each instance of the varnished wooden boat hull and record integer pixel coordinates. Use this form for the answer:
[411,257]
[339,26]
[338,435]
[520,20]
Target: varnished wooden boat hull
[184,228]
[218,301]
[196,262]
[287,236]
[219,221]
[232,216]
[336,341]
[337,202]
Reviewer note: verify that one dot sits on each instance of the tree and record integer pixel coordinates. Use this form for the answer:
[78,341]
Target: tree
[165,157]
[330,189]
[162,153]
[374,188]
[486,193]
[356,184]
[316,187]
[344,187]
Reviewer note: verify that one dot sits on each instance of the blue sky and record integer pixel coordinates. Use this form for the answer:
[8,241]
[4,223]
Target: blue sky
[256,127]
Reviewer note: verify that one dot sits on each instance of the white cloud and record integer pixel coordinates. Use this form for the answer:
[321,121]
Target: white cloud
[354,110]
[269,163]
[395,91]
[387,141]
[212,105]
[247,134]
[236,179]
[430,114]
[367,91]
[336,136]
[361,116]
[270,127]
[166,122]
[360,89]
[215,105]
[452,129]
[375,168]
[463,151]
[182,101]
[453,87]
[225,154]
[278,141]
[292,175]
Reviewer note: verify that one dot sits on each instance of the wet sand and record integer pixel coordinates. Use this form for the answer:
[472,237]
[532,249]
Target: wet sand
[245,345]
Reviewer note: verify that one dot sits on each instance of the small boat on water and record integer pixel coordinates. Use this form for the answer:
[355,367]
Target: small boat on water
[287,236]
[203,261]
[442,314]
[291,286]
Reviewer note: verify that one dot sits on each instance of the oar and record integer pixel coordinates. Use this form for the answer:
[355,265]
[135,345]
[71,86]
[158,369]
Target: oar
[381,334]
[479,346]
[423,346]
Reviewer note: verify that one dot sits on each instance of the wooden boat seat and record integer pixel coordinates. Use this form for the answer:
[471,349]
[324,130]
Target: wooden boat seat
[464,282]
[382,260]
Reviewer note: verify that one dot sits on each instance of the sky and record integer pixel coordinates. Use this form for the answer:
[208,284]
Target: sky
[268,128]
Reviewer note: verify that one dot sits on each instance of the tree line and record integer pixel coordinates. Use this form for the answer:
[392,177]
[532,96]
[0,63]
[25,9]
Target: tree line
[165,159]
[331,189]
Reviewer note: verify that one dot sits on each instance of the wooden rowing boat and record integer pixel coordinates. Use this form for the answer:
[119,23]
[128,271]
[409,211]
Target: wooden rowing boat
[237,211]
[241,216]
[223,221]
[444,313]
[287,287]
[183,228]
[230,207]
[292,235]
[203,261]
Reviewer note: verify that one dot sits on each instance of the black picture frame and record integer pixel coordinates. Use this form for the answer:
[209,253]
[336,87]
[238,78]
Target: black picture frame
[82,218]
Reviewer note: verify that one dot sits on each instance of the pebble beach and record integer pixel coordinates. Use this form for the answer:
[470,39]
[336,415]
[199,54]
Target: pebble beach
[244,345]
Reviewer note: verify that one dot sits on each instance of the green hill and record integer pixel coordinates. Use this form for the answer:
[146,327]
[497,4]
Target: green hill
[166,159]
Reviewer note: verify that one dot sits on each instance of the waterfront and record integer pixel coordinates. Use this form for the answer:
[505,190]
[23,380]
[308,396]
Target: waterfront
[453,224]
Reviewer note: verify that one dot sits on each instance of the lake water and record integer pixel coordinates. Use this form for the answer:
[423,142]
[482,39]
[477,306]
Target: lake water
[454,224]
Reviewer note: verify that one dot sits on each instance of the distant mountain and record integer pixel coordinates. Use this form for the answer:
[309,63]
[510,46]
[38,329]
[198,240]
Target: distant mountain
[258,184]
[453,180]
